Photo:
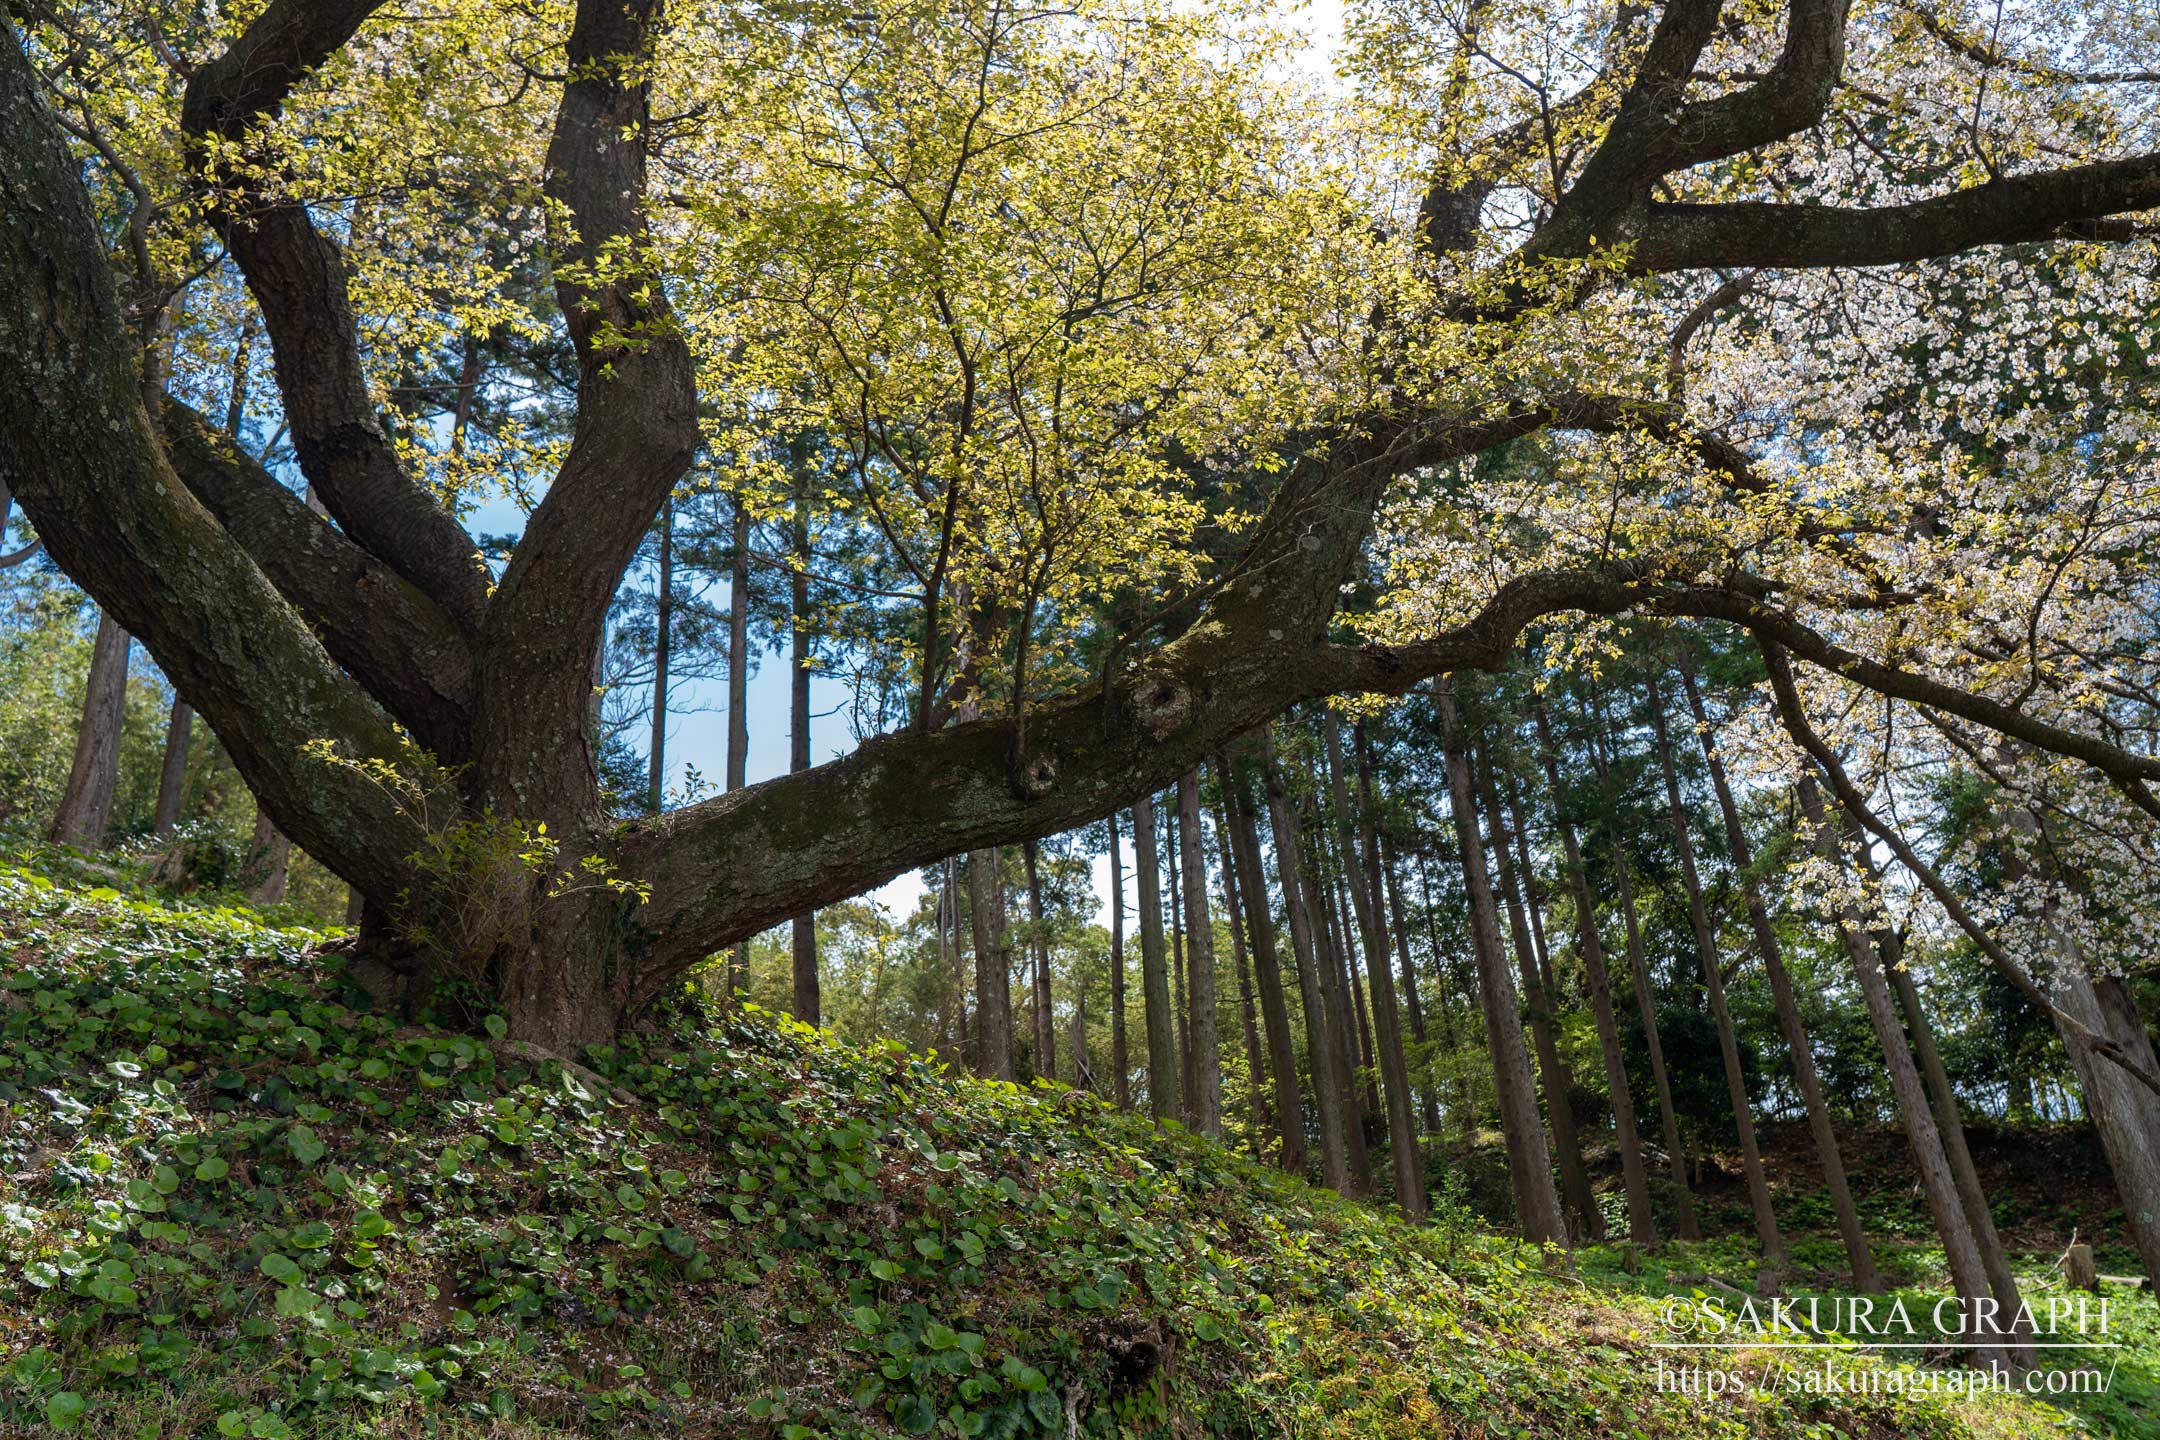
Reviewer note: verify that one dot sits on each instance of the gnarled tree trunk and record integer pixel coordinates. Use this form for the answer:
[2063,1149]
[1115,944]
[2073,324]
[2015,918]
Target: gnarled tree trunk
[326,656]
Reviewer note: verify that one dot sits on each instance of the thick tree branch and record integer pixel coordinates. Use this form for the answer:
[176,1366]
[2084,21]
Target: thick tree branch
[298,278]
[732,866]
[2065,204]
[373,622]
[636,421]
[1784,102]
[1633,152]
[85,464]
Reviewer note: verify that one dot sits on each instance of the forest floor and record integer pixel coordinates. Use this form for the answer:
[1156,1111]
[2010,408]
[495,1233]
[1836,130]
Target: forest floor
[236,1203]
[2048,1185]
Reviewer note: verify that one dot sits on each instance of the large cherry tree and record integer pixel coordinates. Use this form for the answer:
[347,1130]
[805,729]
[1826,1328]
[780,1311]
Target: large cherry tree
[1540,210]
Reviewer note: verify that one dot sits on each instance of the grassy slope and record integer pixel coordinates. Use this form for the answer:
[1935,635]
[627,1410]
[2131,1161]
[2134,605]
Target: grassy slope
[236,1205]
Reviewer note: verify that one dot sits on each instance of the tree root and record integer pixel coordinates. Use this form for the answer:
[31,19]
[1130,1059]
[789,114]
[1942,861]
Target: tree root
[591,1079]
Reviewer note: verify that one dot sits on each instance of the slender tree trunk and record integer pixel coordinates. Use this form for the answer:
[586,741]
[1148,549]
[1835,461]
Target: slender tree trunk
[1866,1278]
[1163,1095]
[1413,1007]
[663,626]
[947,919]
[180,724]
[1341,1025]
[1450,1035]
[738,697]
[993,967]
[1968,1275]
[1076,1041]
[1178,974]
[2086,1042]
[1403,1147]
[959,970]
[1267,969]
[1634,1176]
[172,776]
[1120,1059]
[1687,1226]
[1319,1038]
[269,861]
[1766,1227]
[1589,1227]
[86,804]
[1369,1063]
[804,929]
[1204,1101]
[1039,967]
[2002,1331]
[1537,1203]
[1234,926]
[1349,946]
[1951,1125]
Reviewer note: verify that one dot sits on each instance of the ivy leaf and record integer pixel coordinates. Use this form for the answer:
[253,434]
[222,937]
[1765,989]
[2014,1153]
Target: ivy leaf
[914,1415]
[303,1144]
[64,1411]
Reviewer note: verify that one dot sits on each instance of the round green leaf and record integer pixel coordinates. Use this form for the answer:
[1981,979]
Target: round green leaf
[303,1144]
[64,1410]
[914,1415]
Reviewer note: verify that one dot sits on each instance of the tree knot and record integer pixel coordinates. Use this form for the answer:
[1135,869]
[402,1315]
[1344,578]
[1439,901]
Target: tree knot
[1161,705]
[1034,778]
